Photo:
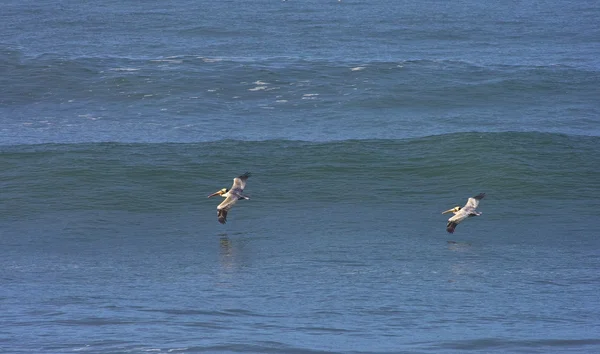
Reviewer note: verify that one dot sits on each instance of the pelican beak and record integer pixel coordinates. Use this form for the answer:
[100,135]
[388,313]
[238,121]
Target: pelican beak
[453,210]
[220,192]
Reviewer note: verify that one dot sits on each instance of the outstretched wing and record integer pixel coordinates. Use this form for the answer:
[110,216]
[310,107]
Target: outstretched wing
[222,216]
[474,201]
[459,216]
[224,207]
[450,227]
[239,183]
[228,202]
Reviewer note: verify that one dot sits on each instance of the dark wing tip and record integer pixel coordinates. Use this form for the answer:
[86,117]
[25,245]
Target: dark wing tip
[245,175]
[479,196]
[222,216]
[450,227]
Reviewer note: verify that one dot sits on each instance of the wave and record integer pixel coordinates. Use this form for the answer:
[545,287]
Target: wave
[515,167]
[18,56]
[219,83]
[183,98]
[520,135]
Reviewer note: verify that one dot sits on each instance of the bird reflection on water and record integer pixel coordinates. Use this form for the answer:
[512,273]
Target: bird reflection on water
[233,258]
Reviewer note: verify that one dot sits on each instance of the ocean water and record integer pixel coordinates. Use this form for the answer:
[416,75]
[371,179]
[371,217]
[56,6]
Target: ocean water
[360,123]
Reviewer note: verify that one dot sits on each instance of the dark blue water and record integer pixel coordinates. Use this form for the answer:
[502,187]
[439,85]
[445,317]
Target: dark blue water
[360,123]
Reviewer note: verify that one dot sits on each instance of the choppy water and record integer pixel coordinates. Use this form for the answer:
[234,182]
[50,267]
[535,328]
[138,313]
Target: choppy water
[360,123]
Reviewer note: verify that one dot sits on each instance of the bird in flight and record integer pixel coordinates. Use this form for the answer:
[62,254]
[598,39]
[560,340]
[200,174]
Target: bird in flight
[466,211]
[231,195]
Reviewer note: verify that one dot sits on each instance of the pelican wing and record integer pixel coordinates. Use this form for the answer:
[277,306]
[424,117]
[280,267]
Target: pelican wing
[222,216]
[451,227]
[474,201]
[224,207]
[239,183]
[229,202]
[460,215]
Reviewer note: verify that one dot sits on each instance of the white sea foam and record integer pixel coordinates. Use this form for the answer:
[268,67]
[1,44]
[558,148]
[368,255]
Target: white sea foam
[169,61]
[211,60]
[124,69]
[88,116]
[310,96]
[81,349]
[258,88]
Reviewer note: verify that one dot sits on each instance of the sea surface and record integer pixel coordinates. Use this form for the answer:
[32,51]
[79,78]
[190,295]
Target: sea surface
[360,121]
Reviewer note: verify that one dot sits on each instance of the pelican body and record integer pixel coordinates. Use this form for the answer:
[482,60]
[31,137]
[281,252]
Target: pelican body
[231,195]
[461,214]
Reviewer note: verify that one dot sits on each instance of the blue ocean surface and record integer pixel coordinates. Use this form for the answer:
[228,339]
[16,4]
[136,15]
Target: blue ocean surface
[360,123]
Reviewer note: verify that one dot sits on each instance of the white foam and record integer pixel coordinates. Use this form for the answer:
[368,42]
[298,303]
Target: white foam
[170,61]
[124,69]
[86,347]
[309,96]
[358,68]
[88,116]
[258,88]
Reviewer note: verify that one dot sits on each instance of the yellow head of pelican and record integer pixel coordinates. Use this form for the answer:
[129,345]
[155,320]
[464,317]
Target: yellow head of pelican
[220,192]
[453,210]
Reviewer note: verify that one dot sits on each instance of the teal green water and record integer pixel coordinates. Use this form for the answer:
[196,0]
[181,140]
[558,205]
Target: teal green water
[515,166]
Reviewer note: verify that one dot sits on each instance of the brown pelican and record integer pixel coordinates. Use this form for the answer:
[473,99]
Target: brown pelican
[231,196]
[461,214]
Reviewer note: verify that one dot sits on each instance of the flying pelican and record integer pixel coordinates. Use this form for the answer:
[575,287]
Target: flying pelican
[231,196]
[461,214]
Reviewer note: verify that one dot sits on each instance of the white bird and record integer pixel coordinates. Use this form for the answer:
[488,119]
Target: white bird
[231,196]
[461,214]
